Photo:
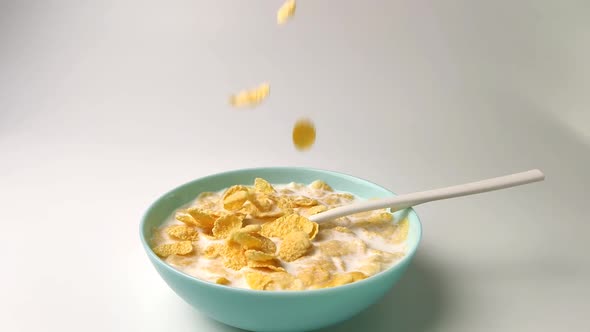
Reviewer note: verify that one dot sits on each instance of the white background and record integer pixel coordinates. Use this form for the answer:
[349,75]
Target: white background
[106,105]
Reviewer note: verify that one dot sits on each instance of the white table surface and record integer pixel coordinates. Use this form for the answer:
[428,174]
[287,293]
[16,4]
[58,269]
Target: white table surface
[105,105]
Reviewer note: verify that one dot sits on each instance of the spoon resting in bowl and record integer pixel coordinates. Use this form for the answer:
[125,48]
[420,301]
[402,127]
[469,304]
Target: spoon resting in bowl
[407,200]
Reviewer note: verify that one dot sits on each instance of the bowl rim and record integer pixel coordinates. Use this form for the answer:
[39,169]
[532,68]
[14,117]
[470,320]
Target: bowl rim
[154,258]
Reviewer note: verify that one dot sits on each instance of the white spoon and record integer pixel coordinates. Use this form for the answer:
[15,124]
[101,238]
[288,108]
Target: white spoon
[408,200]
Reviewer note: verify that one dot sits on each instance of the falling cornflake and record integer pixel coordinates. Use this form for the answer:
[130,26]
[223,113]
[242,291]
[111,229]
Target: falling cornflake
[251,97]
[303,134]
[286,11]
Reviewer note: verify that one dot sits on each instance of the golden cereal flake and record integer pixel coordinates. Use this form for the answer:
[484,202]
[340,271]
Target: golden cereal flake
[266,245]
[294,246]
[320,185]
[250,229]
[268,216]
[302,201]
[318,271]
[401,232]
[186,218]
[337,248]
[222,281]
[314,231]
[248,209]
[371,268]
[285,203]
[372,265]
[178,248]
[246,240]
[259,259]
[260,256]
[382,217]
[384,256]
[342,230]
[213,251]
[337,199]
[254,241]
[316,209]
[263,186]
[341,279]
[286,11]
[203,218]
[384,231]
[348,197]
[257,280]
[262,202]
[235,197]
[226,225]
[272,265]
[251,97]
[356,275]
[336,280]
[183,232]
[233,256]
[282,226]
[283,281]
[303,134]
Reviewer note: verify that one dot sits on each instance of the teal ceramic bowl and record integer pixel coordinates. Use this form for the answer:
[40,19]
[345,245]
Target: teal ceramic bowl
[275,311]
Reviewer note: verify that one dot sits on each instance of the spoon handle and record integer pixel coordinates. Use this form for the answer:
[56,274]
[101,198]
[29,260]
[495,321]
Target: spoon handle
[407,200]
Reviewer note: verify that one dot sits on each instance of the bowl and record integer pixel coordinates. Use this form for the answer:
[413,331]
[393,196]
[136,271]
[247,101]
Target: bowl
[275,311]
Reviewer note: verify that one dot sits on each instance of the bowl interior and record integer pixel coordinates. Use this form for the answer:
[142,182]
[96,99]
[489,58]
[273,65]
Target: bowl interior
[159,211]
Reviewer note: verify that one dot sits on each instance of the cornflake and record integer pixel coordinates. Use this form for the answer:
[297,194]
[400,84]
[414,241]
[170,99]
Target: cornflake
[183,232]
[251,97]
[320,185]
[341,279]
[316,209]
[294,246]
[263,186]
[254,241]
[260,256]
[303,134]
[202,218]
[287,224]
[257,280]
[304,201]
[222,281]
[283,281]
[235,197]
[272,265]
[317,271]
[226,225]
[262,202]
[233,256]
[342,230]
[213,251]
[286,11]
[337,248]
[178,248]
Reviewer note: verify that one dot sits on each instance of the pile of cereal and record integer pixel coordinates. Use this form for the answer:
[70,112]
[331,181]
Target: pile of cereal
[259,237]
